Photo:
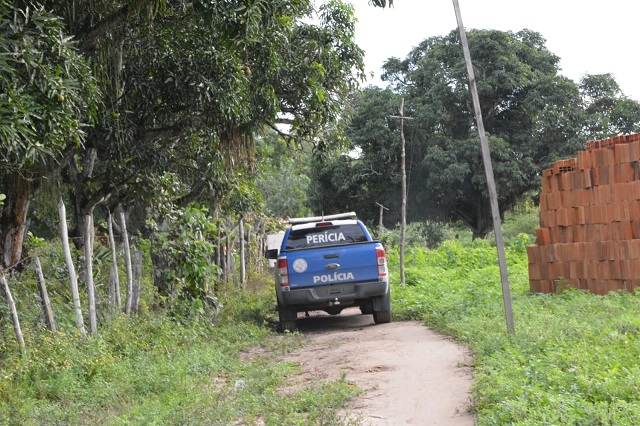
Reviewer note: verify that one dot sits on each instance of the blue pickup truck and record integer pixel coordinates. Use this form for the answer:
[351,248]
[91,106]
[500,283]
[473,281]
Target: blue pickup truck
[330,263]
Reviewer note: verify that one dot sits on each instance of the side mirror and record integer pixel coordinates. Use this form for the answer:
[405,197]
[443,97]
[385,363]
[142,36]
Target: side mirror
[271,254]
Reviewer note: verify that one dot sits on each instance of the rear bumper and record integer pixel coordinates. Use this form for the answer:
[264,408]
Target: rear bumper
[329,294]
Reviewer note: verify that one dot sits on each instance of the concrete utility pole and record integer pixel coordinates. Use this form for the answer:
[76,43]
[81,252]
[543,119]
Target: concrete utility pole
[488,168]
[403,227]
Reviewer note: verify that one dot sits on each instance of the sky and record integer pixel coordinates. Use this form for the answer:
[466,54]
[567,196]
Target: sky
[589,37]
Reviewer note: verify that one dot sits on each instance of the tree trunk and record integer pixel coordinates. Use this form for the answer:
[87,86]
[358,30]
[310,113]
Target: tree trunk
[127,257]
[73,278]
[14,312]
[45,303]
[88,265]
[114,278]
[13,219]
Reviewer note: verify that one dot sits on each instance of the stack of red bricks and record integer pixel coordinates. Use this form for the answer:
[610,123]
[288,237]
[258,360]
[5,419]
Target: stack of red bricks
[589,235]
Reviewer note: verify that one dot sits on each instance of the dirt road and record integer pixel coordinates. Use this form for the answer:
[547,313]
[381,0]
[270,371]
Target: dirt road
[411,375]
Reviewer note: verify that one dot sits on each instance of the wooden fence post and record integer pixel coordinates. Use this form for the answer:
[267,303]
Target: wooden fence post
[243,266]
[45,303]
[114,278]
[88,266]
[127,257]
[14,312]
[73,278]
[137,277]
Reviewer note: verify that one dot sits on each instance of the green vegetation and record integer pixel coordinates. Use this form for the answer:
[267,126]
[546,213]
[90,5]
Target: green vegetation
[532,116]
[153,370]
[572,360]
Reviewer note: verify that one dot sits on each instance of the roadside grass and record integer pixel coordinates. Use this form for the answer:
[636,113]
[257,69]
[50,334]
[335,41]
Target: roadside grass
[153,369]
[573,359]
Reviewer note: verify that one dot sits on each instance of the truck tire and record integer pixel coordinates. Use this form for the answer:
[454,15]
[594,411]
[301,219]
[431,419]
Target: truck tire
[382,310]
[287,316]
[382,317]
[287,326]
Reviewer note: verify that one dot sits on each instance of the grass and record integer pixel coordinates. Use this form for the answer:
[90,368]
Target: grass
[156,370]
[573,357]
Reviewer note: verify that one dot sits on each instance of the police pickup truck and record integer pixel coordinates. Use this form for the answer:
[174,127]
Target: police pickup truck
[330,263]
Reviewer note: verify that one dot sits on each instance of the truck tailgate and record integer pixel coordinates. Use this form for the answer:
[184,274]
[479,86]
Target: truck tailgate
[333,265]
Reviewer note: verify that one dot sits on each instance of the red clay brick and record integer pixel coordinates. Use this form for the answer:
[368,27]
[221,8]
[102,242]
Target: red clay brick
[534,286]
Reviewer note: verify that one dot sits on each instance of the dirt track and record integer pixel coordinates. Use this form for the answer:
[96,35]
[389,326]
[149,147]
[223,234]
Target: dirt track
[411,375]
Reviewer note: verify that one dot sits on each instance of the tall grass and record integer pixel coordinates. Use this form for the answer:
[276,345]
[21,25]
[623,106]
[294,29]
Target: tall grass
[573,359]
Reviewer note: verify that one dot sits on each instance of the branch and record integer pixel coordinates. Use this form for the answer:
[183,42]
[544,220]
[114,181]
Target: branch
[96,31]
[282,134]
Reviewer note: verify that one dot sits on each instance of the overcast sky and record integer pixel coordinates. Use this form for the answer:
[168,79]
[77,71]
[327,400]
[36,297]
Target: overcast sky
[589,37]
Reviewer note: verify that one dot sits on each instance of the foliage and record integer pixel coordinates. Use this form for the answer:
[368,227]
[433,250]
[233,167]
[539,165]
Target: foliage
[422,234]
[571,360]
[205,78]
[282,177]
[532,116]
[370,172]
[185,89]
[608,112]
[47,92]
[183,245]
[522,96]
[47,98]
[171,373]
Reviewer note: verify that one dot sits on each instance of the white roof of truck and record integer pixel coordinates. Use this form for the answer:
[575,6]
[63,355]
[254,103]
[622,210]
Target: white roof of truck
[301,220]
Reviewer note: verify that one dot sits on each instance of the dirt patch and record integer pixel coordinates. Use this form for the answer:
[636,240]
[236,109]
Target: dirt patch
[410,374]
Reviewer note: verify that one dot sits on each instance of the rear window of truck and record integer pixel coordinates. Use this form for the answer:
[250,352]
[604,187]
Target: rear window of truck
[325,236]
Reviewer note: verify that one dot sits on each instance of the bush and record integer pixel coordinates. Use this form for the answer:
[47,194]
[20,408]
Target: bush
[424,234]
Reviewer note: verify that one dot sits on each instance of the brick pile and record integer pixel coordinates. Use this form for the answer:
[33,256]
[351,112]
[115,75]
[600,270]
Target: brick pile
[589,235]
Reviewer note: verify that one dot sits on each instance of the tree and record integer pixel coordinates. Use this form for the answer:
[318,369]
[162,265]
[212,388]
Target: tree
[607,111]
[185,87]
[532,115]
[47,97]
[282,177]
[196,83]
[370,171]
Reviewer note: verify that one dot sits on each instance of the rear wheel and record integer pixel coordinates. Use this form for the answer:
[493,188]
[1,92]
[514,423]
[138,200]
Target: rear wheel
[287,326]
[288,316]
[382,310]
[382,317]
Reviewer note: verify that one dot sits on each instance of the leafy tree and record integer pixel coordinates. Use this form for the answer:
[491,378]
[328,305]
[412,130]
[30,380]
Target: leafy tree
[531,113]
[47,97]
[607,111]
[370,172]
[197,82]
[282,177]
[185,87]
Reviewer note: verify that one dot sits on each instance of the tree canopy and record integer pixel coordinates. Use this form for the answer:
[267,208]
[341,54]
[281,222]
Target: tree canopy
[532,114]
[184,89]
[47,98]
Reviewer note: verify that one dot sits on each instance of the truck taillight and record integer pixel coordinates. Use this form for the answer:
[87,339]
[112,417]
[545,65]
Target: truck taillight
[283,271]
[381,258]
